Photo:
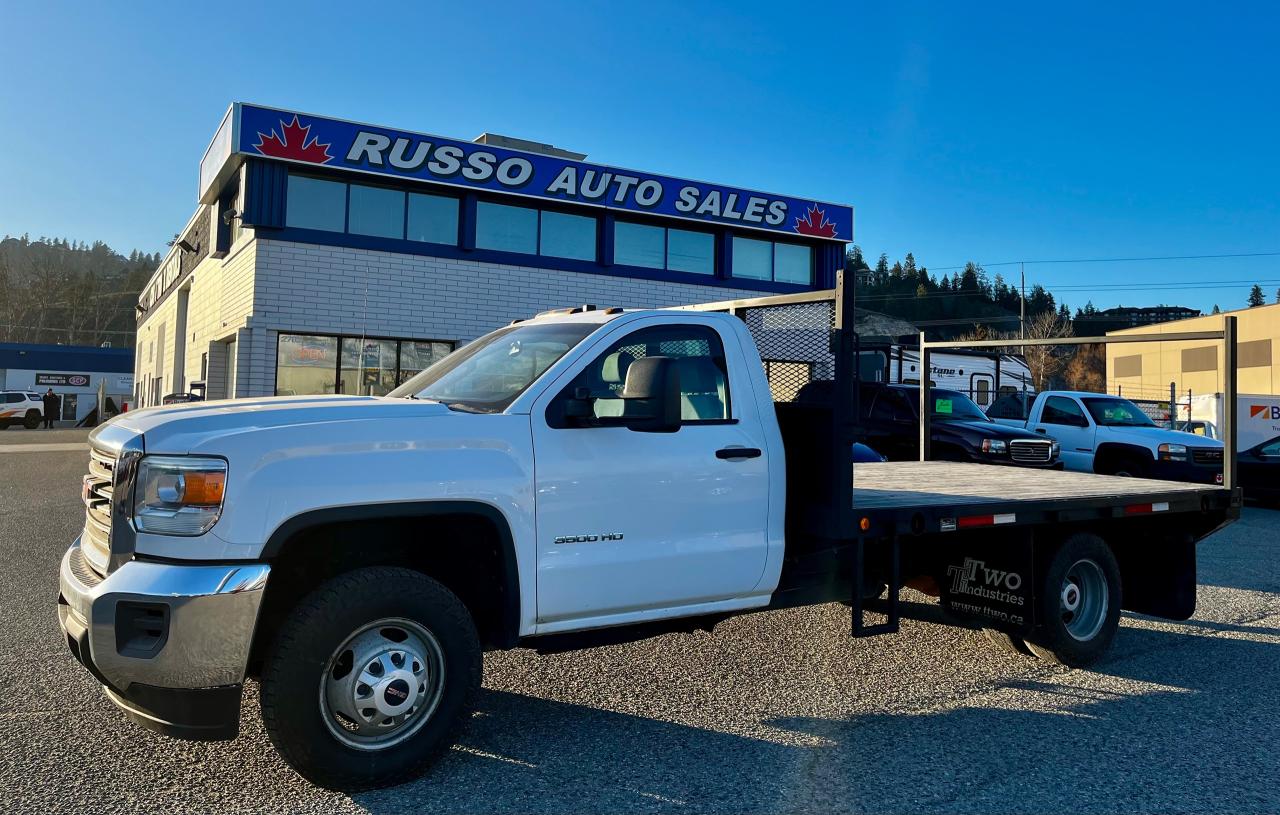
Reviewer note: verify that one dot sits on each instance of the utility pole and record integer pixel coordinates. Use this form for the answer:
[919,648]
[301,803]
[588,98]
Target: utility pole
[1022,304]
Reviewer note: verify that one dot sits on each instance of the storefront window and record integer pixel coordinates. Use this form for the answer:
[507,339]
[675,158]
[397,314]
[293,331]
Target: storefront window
[314,203]
[305,364]
[376,211]
[691,251]
[506,229]
[752,259]
[792,263]
[416,357]
[639,245]
[433,219]
[568,236]
[368,366]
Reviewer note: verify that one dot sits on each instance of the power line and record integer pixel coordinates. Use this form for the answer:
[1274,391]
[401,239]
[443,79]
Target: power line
[1118,260]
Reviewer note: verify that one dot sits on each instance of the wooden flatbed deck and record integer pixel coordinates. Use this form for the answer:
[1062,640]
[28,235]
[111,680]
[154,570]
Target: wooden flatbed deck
[895,491]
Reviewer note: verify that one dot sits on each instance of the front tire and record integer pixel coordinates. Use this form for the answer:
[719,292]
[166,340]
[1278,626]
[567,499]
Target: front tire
[1079,603]
[371,678]
[32,420]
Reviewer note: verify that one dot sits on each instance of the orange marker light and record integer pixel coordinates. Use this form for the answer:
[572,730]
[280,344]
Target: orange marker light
[864,524]
[204,489]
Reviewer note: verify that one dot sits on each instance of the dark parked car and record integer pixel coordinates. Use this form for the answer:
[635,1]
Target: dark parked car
[1260,471]
[864,454]
[961,431]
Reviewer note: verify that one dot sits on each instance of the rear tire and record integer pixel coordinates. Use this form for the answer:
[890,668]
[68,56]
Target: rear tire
[4,424]
[1079,603]
[371,678]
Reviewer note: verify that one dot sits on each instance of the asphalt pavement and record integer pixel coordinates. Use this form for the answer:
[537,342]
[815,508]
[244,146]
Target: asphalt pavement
[773,712]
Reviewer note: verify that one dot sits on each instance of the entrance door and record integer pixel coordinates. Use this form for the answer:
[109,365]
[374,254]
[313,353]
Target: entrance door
[631,521]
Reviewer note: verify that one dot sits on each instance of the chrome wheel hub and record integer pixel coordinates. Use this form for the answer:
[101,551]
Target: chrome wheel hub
[382,684]
[1084,600]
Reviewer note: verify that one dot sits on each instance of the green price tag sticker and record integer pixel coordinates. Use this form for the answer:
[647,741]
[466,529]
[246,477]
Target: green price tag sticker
[941,405]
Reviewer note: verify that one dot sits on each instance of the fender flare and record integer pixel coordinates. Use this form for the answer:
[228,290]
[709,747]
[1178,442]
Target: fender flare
[509,566]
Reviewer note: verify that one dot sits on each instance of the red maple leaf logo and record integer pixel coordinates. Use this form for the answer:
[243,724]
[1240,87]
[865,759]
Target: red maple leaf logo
[292,143]
[815,223]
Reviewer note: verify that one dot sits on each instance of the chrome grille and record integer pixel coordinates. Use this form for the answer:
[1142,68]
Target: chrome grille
[95,541]
[1206,455]
[1031,451]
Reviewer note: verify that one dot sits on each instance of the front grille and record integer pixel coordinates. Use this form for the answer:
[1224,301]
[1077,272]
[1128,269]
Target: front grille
[1206,456]
[1031,451]
[95,541]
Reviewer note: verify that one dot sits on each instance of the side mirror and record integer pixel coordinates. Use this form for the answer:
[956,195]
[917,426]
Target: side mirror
[651,395]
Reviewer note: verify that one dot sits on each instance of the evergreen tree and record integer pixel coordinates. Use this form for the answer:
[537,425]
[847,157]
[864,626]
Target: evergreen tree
[1216,310]
[1256,297]
[882,270]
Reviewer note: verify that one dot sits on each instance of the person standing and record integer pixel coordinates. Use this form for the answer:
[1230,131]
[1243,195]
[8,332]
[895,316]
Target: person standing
[51,404]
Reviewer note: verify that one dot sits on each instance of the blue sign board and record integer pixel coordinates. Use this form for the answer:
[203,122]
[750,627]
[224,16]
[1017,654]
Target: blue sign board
[337,144]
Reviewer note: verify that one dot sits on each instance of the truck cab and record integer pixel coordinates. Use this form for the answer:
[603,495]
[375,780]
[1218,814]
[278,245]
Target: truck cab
[1110,435]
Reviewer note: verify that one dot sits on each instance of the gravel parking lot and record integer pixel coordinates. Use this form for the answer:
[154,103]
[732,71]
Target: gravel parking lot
[775,712]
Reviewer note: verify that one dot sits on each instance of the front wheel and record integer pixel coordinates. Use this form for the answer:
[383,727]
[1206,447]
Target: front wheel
[1079,603]
[371,678]
[32,420]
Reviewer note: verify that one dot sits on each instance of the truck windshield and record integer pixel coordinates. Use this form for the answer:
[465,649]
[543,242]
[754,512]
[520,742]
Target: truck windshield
[1117,413]
[488,374]
[954,406]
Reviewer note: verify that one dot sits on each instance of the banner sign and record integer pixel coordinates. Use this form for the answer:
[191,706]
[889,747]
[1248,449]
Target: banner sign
[65,380]
[342,145]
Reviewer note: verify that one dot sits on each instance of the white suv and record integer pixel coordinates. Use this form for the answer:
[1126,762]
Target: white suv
[20,406]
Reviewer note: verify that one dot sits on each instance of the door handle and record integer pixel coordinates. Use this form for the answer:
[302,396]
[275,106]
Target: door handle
[738,452]
[1041,430]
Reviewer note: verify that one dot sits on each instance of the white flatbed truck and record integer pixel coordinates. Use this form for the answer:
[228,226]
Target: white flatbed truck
[585,476]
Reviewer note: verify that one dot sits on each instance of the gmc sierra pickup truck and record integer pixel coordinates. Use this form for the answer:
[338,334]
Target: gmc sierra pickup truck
[585,476]
[1111,435]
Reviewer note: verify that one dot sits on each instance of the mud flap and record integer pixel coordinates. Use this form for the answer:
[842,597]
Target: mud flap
[991,583]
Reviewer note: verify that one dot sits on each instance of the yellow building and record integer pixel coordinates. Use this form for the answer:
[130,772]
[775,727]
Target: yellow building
[1144,370]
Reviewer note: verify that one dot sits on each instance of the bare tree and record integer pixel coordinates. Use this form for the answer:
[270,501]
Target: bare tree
[1045,362]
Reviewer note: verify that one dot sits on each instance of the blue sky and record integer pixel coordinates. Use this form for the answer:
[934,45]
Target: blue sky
[1017,132]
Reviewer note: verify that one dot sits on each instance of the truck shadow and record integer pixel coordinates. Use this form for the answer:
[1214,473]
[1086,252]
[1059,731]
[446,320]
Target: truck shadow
[1174,721]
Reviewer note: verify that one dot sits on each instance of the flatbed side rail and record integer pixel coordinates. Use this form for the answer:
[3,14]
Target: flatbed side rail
[1227,336]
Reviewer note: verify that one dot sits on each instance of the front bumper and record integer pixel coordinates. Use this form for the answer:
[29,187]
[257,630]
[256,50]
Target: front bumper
[1194,472]
[169,642]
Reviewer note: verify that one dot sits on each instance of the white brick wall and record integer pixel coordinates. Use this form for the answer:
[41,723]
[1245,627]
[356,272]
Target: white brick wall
[266,287]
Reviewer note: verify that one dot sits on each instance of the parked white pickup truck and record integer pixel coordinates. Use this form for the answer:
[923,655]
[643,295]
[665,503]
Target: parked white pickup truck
[582,477]
[1113,436]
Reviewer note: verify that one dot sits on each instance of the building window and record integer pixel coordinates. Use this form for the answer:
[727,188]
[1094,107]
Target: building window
[506,228]
[376,211]
[655,247]
[639,245]
[568,236]
[691,251]
[767,260]
[307,363]
[314,203]
[792,263]
[752,259]
[433,219]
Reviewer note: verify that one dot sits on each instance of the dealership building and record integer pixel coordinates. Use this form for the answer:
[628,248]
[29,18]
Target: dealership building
[327,256]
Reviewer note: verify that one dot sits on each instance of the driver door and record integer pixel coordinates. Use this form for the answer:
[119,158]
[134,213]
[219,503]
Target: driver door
[641,525]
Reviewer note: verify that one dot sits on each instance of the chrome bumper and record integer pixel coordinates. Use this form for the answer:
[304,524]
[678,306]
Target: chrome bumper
[154,631]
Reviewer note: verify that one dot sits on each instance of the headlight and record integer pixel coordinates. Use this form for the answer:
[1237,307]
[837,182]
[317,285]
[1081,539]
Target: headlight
[179,495]
[1173,452]
[996,446]
[1057,448]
